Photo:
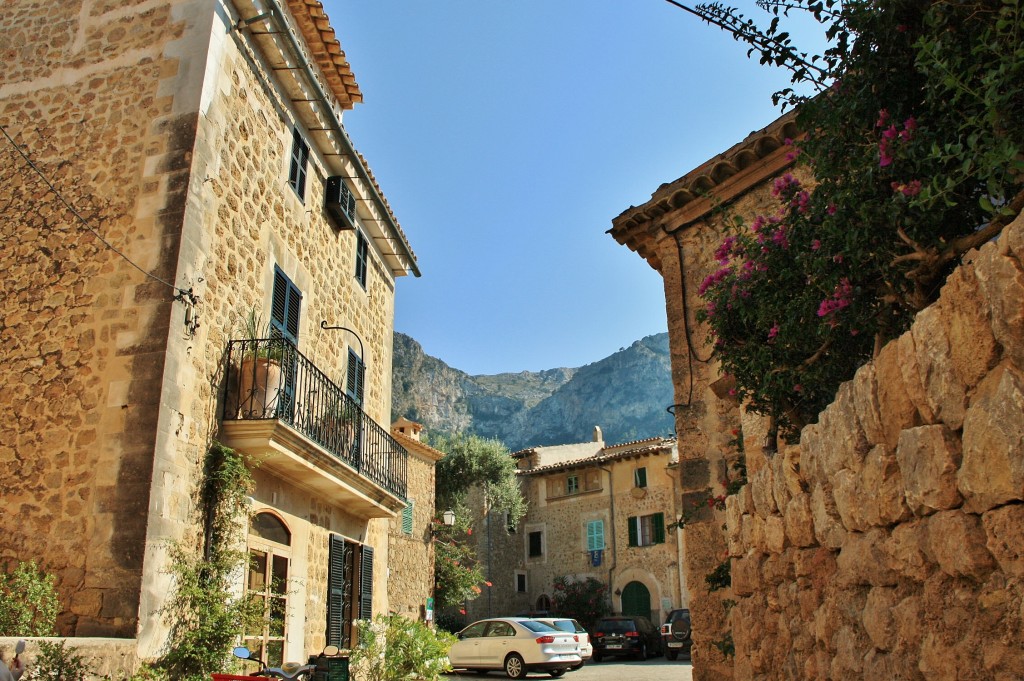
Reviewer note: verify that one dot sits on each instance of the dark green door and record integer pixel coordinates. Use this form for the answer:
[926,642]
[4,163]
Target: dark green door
[636,600]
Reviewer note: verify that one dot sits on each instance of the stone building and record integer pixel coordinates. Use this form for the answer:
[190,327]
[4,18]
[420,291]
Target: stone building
[411,551]
[677,232]
[593,510]
[216,189]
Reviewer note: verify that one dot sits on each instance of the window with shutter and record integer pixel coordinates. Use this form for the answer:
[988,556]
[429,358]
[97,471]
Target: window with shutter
[640,477]
[362,252]
[285,307]
[536,547]
[647,530]
[634,531]
[298,164]
[355,380]
[366,584]
[407,518]
[595,535]
[337,593]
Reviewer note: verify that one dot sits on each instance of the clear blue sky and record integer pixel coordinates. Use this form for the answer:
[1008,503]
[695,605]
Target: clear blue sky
[507,134]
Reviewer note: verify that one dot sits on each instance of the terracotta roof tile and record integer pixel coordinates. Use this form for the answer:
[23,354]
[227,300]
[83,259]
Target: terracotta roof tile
[319,35]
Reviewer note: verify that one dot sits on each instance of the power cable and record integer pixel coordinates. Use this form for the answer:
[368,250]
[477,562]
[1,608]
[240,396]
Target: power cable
[182,295]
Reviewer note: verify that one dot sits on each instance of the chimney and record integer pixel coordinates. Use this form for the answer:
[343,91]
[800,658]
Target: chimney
[598,435]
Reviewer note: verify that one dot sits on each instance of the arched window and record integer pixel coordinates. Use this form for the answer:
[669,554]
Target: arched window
[544,603]
[267,580]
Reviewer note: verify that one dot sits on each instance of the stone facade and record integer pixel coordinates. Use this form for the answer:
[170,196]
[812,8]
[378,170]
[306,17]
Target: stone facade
[677,232]
[885,544]
[567,489]
[168,125]
[891,546]
[410,539]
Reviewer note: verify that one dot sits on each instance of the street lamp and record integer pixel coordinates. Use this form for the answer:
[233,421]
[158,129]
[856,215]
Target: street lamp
[448,517]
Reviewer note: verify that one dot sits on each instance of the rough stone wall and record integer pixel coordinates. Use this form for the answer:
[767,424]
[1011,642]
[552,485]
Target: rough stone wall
[90,89]
[159,123]
[888,545]
[411,566]
[707,418]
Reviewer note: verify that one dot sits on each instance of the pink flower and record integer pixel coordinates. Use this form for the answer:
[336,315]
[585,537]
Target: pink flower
[841,297]
[758,223]
[883,118]
[798,388]
[779,238]
[912,188]
[816,244]
[909,126]
[784,185]
[831,209]
[774,331]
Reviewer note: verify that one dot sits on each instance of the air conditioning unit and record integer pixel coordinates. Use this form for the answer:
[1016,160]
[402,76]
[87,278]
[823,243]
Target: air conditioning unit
[340,203]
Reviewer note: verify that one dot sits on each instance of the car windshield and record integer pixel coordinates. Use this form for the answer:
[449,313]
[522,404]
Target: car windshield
[615,626]
[572,626]
[537,626]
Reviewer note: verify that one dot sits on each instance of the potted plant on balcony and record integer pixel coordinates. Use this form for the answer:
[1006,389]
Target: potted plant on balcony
[260,382]
[337,426]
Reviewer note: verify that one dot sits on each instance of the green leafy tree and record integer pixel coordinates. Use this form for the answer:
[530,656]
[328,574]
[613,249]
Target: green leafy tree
[470,462]
[28,602]
[915,135]
[584,600]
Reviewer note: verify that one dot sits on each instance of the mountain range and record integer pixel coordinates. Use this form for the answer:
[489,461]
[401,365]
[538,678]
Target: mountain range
[626,394]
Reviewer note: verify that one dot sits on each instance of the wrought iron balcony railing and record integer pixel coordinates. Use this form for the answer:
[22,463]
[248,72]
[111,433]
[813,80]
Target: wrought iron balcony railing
[270,379]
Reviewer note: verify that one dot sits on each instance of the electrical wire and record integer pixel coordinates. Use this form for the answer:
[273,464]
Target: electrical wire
[180,294]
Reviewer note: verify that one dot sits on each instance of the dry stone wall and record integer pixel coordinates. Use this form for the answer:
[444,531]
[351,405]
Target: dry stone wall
[890,543]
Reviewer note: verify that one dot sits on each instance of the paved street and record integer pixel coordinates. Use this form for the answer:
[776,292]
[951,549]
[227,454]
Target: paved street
[657,669]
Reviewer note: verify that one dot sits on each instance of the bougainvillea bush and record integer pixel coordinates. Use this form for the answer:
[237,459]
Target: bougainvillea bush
[915,138]
[585,600]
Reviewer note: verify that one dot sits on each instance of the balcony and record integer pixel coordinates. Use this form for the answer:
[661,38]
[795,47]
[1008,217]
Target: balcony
[280,408]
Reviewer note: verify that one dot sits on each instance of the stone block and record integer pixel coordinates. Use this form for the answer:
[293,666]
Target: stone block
[865,399]
[762,492]
[992,468]
[957,540]
[850,644]
[846,442]
[746,574]
[828,528]
[1001,281]
[775,534]
[849,505]
[945,393]
[1004,529]
[895,408]
[694,474]
[863,560]
[799,521]
[812,445]
[882,489]
[910,369]
[929,458]
[733,524]
[907,621]
[973,350]
[879,621]
[908,551]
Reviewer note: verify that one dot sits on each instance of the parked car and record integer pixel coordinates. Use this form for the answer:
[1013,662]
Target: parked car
[675,633]
[516,645]
[626,636]
[572,626]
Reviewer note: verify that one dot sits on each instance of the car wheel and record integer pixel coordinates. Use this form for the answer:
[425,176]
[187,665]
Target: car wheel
[579,666]
[672,655]
[642,655]
[514,666]
[555,673]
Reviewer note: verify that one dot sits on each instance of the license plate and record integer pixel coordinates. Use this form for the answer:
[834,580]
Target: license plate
[672,644]
[613,646]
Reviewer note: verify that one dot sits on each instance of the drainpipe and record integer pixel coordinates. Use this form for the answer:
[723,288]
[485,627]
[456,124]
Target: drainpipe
[611,569]
[275,12]
[676,503]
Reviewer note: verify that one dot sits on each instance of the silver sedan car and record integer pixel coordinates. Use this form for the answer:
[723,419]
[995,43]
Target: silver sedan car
[515,645]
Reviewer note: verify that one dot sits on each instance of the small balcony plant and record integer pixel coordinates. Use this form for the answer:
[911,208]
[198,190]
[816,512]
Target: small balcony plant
[260,379]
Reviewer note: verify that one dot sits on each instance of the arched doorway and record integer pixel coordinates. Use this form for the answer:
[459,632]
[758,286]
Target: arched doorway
[636,600]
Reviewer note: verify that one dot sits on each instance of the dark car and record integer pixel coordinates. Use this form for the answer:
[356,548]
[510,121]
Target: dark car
[625,636]
[675,634]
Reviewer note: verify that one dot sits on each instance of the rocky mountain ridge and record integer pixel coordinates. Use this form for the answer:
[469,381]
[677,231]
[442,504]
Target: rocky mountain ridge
[626,394]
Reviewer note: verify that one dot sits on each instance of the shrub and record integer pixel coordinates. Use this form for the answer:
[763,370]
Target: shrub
[394,648]
[56,662]
[584,600]
[28,602]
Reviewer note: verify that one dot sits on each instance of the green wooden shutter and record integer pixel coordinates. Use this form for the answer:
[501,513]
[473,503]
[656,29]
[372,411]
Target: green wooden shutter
[355,378]
[336,592]
[634,533]
[366,584]
[658,521]
[407,518]
[595,535]
[285,307]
